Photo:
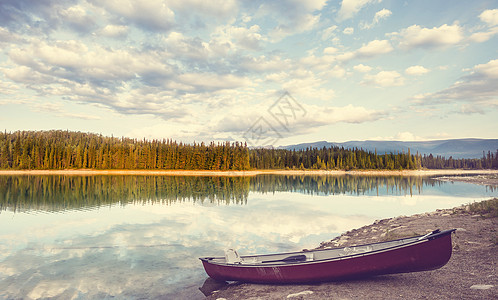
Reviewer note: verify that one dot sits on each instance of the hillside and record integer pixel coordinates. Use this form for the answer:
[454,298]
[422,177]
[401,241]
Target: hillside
[457,148]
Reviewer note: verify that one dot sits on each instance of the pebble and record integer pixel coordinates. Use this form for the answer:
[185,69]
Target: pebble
[303,293]
[481,286]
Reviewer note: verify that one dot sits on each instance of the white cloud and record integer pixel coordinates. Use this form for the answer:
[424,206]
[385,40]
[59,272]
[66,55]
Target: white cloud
[349,8]
[114,31]
[416,36]
[380,15]
[328,32]
[347,114]
[374,48]
[263,63]
[210,81]
[487,70]
[490,17]
[330,50]
[77,17]
[483,36]
[385,79]
[348,30]
[8,37]
[305,23]
[371,49]
[316,116]
[362,68]
[239,37]
[292,16]
[407,136]
[416,70]
[480,86]
[151,15]
[404,136]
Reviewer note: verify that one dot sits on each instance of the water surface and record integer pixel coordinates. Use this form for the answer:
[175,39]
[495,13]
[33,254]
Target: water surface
[94,237]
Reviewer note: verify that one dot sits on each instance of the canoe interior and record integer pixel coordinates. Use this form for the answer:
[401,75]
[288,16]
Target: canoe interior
[321,255]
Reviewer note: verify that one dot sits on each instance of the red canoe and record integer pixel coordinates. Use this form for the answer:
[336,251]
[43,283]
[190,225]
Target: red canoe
[421,253]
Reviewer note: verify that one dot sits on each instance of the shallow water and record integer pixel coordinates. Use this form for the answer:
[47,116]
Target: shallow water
[127,237]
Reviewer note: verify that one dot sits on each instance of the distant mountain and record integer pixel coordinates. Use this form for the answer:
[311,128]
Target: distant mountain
[457,148]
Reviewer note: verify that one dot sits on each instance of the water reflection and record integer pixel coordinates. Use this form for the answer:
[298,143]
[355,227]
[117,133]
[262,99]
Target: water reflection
[149,249]
[58,193]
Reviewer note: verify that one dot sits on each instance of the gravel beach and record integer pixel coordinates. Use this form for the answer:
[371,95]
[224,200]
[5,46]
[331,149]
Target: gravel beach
[470,274]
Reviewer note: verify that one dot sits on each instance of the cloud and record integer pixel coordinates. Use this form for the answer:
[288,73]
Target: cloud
[151,15]
[348,114]
[407,136]
[330,51]
[328,32]
[239,37]
[316,116]
[362,68]
[404,136]
[371,49]
[348,30]
[490,17]
[349,8]
[292,16]
[304,23]
[380,15]
[480,86]
[210,81]
[385,79]
[374,48]
[264,63]
[469,109]
[483,36]
[114,31]
[77,18]
[416,36]
[416,70]
[7,37]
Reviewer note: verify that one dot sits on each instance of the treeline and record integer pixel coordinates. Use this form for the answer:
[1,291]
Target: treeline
[76,150]
[330,159]
[488,161]
[58,149]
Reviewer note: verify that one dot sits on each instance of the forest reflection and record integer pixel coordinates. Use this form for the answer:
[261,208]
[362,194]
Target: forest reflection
[56,193]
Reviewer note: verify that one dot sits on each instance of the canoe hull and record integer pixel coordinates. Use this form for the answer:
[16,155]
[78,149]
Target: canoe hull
[425,255]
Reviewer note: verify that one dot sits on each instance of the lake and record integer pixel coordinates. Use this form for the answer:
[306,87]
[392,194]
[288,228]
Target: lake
[129,237]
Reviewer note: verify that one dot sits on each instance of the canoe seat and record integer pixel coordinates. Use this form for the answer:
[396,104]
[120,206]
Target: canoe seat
[232,257]
[355,250]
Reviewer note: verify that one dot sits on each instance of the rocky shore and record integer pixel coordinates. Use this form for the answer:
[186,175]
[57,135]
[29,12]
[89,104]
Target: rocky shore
[471,272]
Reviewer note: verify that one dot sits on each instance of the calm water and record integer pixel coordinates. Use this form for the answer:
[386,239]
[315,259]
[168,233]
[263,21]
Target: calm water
[130,237]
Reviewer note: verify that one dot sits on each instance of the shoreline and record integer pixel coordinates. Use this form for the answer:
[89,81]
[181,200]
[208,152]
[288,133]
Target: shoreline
[90,172]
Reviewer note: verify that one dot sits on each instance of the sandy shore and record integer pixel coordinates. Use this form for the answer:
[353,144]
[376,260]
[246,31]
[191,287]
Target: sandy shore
[470,273]
[87,172]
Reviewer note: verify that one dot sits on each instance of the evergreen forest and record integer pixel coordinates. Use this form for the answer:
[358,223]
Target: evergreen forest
[57,149]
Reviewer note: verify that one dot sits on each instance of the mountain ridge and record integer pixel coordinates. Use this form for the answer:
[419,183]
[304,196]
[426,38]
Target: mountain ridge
[456,148]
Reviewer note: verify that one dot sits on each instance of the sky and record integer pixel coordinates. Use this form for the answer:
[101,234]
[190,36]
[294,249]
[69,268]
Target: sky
[261,72]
